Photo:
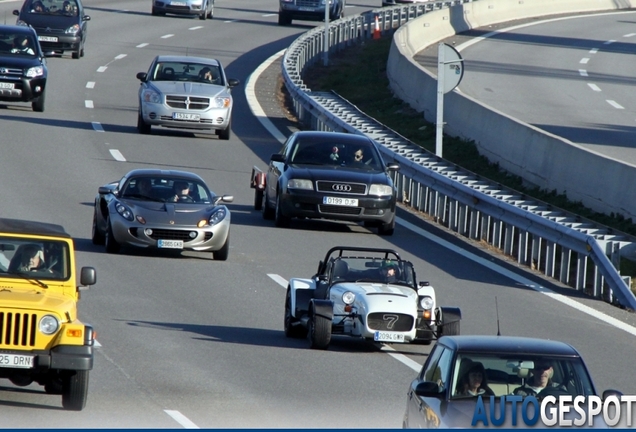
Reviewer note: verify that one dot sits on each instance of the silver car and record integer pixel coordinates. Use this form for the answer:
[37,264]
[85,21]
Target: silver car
[185,93]
[152,208]
[203,8]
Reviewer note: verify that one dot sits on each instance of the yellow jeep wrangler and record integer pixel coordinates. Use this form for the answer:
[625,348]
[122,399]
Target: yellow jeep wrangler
[41,338]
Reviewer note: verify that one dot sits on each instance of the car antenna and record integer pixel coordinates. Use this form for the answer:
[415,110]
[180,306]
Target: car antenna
[497,311]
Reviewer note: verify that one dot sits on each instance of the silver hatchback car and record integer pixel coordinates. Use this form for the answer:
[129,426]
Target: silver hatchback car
[185,93]
[202,8]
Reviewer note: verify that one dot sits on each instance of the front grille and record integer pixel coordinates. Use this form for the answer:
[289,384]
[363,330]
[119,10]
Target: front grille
[18,329]
[44,30]
[12,73]
[308,3]
[332,209]
[187,102]
[167,234]
[208,236]
[382,321]
[356,188]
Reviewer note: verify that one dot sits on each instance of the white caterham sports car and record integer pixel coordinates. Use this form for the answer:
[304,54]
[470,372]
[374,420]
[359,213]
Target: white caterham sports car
[367,293]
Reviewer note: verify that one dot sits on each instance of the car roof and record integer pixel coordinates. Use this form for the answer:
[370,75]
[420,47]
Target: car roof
[508,345]
[164,173]
[321,135]
[18,226]
[188,59]
[17,29]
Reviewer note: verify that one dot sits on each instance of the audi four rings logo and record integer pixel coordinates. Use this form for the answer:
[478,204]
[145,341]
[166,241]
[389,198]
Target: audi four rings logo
[341,188]
[392,319]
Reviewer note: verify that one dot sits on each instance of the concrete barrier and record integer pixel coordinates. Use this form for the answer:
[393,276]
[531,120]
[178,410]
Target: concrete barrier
[598,181]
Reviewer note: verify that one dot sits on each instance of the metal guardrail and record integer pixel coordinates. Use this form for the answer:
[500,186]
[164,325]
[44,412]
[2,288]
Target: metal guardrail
[563,246]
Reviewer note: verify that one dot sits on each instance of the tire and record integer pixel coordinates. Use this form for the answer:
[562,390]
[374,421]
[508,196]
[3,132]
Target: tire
[77,54]
[38,104]
[225,134]
[291,330]
[97,237]
[110,243]
[154,12]
[284,19]
[258,199]
[280,219]
[222,254]
[211,13]
[319,332]
[142,126]
[75,390]
[387,229]
[268,212]
[204,15]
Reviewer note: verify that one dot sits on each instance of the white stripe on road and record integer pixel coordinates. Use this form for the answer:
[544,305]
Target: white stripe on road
[611,41]
[230,21]
[615,104]
[90,84]
[117,155]
[97,126]
[629,35]
[167,36]
[593,50]
[141,45]
[582,72]
[269,15]
[88,103]
[594,87]
[584,60]
[195,28]
[278,279]
[102,68]
[181,419]
[120,56]
[402,358]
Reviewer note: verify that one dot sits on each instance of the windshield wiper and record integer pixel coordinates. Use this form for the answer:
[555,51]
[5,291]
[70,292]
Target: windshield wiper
[30,279]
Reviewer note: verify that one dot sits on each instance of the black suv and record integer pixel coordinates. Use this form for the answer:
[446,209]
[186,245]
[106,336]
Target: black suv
[23,69]
[60,24]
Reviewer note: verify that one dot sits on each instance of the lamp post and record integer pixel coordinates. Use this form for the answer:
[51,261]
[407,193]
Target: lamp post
[326,37]
[450,71]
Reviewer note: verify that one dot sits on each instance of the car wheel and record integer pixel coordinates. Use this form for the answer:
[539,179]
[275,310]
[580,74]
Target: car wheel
[319,332]
[38,104]
[258,199]
[154,12]
[109,239]
[268,212]
[222,254]
[280,219]
[204,15]
[283,19]
[387,229]
[97,237]
[224,134]
[211,13]
[291,330]
[75,390]
[77,54]
[142,126]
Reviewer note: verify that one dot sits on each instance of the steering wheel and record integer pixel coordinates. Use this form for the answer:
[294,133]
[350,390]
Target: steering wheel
[553,391]
[185,198]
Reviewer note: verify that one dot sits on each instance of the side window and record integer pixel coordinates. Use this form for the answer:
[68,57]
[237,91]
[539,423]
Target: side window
[429,367]
[438,369]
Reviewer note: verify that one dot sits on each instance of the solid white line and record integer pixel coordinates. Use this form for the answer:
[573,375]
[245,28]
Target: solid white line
[117,155]
[615,104]
[278,279]
[88,104]
[269,15]
[629,35]
[583,72]
[90,84]
[181,419]
[584,60]
[253,103]
[609,42]
[195,28]
[141,45]
[120,56]
[230,21]
[167,36]
[593,50]
[402,358]
[102,68]
[594,87]
[97,126]
[96,344]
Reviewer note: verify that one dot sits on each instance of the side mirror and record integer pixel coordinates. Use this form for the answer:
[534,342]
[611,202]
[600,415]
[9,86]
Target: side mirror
[393,167]
[233,82]
[427,389]
[277,157]
[323,278]
[142,76]
[227,198]
[16,12]
[105,190]
[423,284]
[611,392]
[87,277]
[86,18]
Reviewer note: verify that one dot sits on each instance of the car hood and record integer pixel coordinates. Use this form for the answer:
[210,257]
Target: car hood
[19,61]
[377,288]
[51,21]
[338,173]
[25,295]
[165,213]
[191,88]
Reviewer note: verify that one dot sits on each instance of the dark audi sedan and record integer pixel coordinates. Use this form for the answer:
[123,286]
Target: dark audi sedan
[330,175]
[61,25]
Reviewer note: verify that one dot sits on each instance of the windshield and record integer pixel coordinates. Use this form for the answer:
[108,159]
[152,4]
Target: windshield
[37,259]
[166,189]
[191,72]
[18,44]
[53,7]
[358,155]
[497,375]
[354,269]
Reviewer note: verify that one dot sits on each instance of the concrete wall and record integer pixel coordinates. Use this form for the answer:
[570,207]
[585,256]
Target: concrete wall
[541,158]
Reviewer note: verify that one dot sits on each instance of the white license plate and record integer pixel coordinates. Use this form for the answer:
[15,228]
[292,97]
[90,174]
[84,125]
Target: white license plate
[16,361]
[170,244]
[306,9]
[349,202]
[177,3]
[382,336]
[185,116]
[7,85]
[47,38]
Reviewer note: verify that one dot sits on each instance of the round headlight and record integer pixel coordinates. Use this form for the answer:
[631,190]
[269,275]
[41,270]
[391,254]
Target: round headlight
[48,324]
[426,302]
[348,297]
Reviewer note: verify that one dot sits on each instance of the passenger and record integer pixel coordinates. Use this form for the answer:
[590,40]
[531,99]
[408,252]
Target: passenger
[540,380]
[144,187]
[67,9]
[473,382]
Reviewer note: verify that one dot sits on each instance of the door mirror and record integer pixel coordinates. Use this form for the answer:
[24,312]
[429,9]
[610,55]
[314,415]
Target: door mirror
[277,157]
[427,389]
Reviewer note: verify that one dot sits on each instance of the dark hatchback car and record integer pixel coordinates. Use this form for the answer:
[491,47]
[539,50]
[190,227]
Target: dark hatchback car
[23,70]
[330,175]
[61,25]
[507,365]
[308,10]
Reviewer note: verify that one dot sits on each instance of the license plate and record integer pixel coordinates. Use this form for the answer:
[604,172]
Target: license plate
[381,336]
[177,3]
[349,202]
[306,9]
[16,361]
[7,85]
[47,38]
[186,116]
[170,244]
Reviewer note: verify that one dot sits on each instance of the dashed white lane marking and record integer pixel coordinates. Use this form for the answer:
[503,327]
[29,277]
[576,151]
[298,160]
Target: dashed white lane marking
[167,36]
[102,68]
[117,155]
[195,28]
[611,41]
[629,35]
[615,104]
[96,344]
[402,358]
[120,56]
[593,50]
[269,15]
[582,72]
[141,45]
[230,21]
[594,87]
[97,126]
[90,84]
[278,279]
[181,419]
[88,104]
[584,60]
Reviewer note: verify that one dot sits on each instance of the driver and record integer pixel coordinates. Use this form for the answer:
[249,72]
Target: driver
[181,192]
[540,380]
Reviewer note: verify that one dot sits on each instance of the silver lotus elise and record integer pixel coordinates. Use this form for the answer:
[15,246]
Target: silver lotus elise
[151,208]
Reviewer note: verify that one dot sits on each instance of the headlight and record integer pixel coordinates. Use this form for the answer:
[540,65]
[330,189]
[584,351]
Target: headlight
[124,212]
[348,297]
[72,29]
[20,22]
[151,96]
[300,184]
[382,190]
[48,324]
[426,302]
[35,71]
[217,216]
[223,102]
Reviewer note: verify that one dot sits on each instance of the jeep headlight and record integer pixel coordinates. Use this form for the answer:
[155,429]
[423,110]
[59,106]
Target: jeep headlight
[348,297]
[223,102]
[300,184]
[217,216]
[124,212]
[48,324]
[35,71]
[426,302]
[151,96]
[381,190]
[21,23]
[72,29]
